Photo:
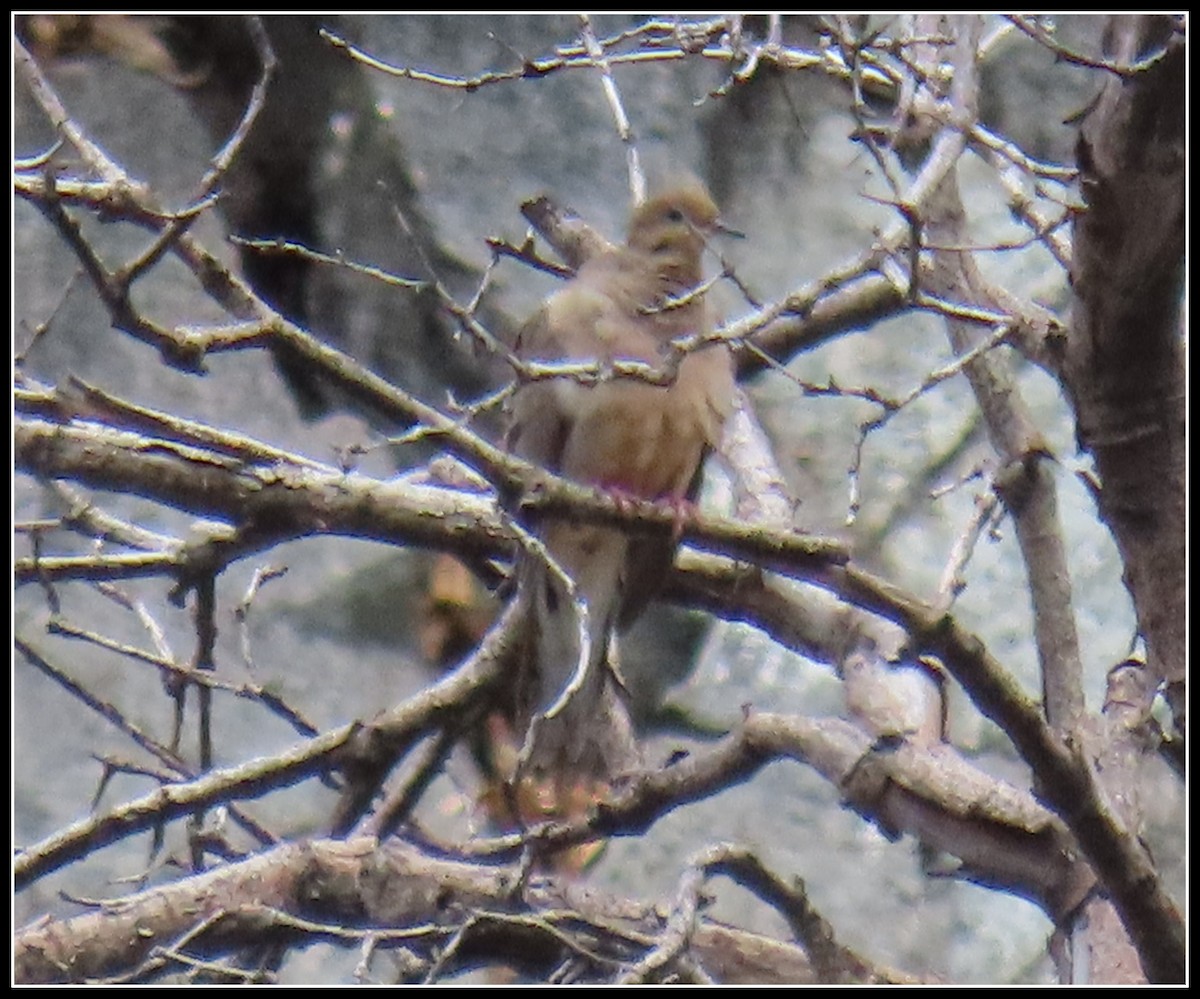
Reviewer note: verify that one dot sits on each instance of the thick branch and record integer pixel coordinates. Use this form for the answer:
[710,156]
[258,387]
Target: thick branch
[1027,484]
[1125,364]
[283,499]
[1002,836]
[1062,770]
[349,891]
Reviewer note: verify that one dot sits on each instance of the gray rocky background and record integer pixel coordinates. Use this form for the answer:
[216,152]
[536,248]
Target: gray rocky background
[336,634]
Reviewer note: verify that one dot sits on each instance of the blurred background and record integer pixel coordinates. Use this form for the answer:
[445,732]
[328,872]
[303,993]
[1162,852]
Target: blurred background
[414,177]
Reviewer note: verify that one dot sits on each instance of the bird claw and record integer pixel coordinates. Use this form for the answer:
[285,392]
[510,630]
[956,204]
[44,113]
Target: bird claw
[682,510]
[626,501]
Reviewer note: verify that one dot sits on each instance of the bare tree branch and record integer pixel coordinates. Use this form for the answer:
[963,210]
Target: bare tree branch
[906,91]
[320,889]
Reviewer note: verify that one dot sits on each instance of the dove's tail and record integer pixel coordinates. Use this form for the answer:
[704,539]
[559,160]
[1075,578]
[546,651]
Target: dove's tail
[577,723]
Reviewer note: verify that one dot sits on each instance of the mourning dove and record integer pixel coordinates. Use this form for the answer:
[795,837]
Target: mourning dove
[624,435]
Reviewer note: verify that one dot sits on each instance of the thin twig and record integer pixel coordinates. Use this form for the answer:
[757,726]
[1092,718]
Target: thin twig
[1029,26]
[241,613]
[637,179]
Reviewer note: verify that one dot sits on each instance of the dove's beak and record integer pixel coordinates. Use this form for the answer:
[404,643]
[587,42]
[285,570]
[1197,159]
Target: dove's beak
[720,228]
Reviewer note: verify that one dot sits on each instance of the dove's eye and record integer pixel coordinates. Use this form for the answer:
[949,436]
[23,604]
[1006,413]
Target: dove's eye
[674,215]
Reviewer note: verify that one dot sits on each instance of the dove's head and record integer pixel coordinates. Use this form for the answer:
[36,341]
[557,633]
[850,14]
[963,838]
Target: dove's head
[673,227]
